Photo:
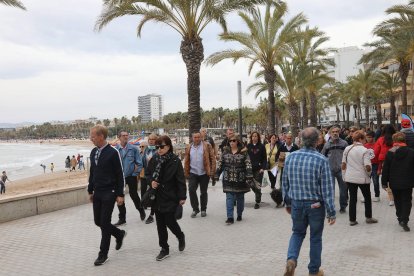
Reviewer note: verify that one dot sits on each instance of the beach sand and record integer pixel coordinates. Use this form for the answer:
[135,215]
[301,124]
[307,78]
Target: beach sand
[45,182]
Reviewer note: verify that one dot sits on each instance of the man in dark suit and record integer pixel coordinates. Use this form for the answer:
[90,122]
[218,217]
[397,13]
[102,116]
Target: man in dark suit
[106,185]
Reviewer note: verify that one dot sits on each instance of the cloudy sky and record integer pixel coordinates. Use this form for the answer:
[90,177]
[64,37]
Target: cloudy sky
[54,66]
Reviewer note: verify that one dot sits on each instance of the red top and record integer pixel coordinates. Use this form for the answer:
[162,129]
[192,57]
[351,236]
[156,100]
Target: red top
[370,146]
[381,149]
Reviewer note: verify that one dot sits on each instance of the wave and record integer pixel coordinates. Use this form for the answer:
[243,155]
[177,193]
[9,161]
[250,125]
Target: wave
[27,162]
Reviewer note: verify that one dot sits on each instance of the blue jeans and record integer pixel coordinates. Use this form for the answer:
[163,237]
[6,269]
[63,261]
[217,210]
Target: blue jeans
[302,216]
[343,189]
[230,198]
[375,179]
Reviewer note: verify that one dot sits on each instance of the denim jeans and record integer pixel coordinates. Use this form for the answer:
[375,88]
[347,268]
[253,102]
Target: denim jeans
[230,198]
[375,179]
[303,215]
[343,189]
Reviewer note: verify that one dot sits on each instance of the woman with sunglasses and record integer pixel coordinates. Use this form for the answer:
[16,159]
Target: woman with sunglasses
[236,168]
[169,182]
[257,154]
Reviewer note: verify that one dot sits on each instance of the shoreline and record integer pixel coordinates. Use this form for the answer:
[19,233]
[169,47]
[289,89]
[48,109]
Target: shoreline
[62,142]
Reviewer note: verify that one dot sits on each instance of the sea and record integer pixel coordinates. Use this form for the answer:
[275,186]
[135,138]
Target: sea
[22,160]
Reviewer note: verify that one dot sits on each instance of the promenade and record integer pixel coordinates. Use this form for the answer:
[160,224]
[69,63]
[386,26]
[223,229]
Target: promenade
[66,242]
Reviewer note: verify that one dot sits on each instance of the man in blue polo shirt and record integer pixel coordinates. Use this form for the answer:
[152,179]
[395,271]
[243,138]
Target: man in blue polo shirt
[308,191]
[132,166]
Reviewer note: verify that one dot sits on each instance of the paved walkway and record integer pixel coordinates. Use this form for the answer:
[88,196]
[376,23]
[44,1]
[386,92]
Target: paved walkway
[66,242]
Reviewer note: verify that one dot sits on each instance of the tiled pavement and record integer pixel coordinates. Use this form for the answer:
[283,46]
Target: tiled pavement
[66,242]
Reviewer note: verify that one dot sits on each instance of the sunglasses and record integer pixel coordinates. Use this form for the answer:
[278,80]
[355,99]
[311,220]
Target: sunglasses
[233,140]
[160,146]
[142,147]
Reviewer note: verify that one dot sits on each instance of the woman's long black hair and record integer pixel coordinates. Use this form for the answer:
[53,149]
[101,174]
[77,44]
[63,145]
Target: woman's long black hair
[387,132]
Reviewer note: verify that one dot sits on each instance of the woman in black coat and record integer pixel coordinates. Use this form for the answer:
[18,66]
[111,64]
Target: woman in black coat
[398,174]
[169,182]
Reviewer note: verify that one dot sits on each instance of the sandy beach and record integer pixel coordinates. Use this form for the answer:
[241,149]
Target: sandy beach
[45,182]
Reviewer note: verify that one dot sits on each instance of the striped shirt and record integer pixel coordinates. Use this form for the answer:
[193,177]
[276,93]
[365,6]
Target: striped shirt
[307,176]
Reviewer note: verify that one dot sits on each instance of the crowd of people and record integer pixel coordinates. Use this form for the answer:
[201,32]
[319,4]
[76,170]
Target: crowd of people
[307,167]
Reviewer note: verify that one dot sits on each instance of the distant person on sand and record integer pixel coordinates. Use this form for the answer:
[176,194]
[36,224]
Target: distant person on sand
[52,167]
[81,163]
[44,167]
[4,178]
[67,164]
[73,163]
[106,186]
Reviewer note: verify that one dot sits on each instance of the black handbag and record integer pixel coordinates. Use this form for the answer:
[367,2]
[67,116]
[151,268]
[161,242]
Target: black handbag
[148,199]
[178,212]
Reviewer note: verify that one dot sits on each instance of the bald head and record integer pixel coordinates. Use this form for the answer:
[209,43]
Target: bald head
[310,137]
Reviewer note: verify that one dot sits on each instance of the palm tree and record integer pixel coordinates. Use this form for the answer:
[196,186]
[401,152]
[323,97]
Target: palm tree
[388,84]
[395,43]
[13,3]
[265,44]
[306,49]
[189,18]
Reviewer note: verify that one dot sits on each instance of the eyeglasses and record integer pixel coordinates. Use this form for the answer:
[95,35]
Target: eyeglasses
[160,146]
[233,141]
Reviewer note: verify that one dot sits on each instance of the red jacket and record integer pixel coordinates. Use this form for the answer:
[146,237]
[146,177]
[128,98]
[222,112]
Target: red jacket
[381,149]
[370,146]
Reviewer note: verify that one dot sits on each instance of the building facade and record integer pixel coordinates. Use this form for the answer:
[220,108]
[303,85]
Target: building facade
[150,108]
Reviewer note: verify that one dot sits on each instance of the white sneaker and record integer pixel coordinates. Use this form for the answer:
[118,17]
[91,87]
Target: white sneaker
[362,200]
[391,203]
[376,199]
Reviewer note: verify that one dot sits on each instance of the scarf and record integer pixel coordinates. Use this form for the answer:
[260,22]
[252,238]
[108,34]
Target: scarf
[399,144]
[161,160]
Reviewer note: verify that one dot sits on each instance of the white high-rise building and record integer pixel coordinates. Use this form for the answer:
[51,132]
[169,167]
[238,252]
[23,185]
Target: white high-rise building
[150,108]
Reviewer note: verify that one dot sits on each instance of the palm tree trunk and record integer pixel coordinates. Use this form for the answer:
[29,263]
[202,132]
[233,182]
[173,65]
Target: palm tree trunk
[379,114]
[192,52]
[403,70]
[393,110]
[270,77]
[348,110]
[366,115]
[313,107]
[294,114]
[338,111]
[305,113]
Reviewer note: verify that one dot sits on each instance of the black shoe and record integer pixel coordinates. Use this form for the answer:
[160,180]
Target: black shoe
[164,253]
[230,221]
[256,206]
[149,220]
[100,260]
[239,218]
[342,211]
[119,241]
[142,214]
[120,222]
[181,243]
[405,226]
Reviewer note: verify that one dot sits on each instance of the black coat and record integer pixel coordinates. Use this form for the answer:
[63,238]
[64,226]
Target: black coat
[398,168]
[172,186]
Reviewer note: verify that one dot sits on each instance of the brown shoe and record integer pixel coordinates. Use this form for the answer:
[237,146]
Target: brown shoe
[290,268]
[320,273]
[371,220]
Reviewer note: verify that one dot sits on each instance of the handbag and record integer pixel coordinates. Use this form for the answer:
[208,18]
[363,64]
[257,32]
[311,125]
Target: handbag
[178,212]
[148,199]
[265,179]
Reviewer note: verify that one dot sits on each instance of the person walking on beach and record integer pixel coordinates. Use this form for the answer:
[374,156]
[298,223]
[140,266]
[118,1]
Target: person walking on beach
[2,187]
[169,182]
[106,186]
[132,166]
[67,163]
[199,167]
[356,170]
[258,160]
[44,167]
[81,163]
[308,191]
[237,169]
[73,163]
[52,167]
[334,149]
[398,174]
[149,152]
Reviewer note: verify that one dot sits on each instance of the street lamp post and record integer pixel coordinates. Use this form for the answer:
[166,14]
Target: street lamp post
[240,109]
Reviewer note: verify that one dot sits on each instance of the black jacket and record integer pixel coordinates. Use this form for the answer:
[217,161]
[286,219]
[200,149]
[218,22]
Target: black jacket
[398,168]
[107,176]
[172,186]
[258,157]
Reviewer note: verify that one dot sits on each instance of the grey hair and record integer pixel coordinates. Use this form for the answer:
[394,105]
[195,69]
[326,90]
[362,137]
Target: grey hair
[310,137]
